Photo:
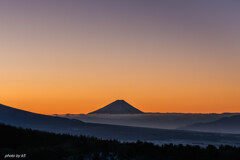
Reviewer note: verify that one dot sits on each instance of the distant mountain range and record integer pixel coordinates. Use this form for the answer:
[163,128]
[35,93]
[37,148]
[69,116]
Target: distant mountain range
[120,112]
[223,125]
[149,120]
[20,118]
[118,107]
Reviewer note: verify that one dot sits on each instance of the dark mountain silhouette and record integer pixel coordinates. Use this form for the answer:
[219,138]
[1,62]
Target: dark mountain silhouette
[223,125]
[24,119]
[118,107]
[17,117]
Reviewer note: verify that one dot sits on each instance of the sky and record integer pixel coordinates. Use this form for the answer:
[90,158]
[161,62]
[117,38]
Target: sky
[75,56]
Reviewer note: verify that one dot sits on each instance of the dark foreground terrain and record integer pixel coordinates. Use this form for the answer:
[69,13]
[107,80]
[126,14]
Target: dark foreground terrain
[37,145]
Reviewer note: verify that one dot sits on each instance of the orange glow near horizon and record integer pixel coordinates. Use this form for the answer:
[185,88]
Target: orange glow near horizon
[61,100]
[78,56]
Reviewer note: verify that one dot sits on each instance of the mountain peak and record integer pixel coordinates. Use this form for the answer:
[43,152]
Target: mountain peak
[120,101]
[118,107]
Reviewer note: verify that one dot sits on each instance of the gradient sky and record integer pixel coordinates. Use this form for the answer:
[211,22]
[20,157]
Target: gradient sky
[75,56]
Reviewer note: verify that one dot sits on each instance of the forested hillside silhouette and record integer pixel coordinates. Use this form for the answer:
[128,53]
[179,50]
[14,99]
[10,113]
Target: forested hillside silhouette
[39,145]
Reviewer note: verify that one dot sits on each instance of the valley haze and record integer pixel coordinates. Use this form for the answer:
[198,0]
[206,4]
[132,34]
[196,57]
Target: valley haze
[120,112]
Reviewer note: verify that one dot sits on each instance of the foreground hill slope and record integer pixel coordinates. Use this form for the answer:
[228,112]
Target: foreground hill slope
[17,117]
[48,146]
[223,125]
